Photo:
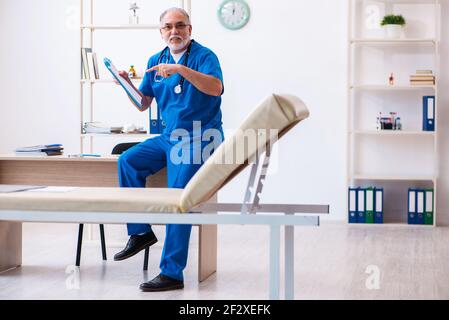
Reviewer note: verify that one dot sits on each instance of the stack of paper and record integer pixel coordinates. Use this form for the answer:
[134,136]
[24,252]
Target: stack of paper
[132,92]
[98,127]
[41,150]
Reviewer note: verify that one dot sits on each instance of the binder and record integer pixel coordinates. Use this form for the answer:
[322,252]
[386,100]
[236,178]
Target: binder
[411,216]
[157,124]
[154,123]
[369,205]
[429,113]
[420,207]
[429,205]
[352,205]
[379,206]
[360,205]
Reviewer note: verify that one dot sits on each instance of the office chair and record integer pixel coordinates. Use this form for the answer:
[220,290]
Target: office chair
[118,149]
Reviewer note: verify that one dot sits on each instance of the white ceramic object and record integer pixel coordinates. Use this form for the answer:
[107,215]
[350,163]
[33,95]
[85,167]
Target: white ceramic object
[393,31]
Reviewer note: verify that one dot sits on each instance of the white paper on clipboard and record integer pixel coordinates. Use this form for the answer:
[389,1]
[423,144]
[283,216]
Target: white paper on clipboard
[132,93]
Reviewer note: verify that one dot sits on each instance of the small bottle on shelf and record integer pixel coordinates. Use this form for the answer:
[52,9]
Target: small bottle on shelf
[393,120]
[132,72]
[391,79]
[398,124]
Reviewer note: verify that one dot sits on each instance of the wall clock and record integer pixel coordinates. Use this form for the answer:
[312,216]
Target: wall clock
[233,14]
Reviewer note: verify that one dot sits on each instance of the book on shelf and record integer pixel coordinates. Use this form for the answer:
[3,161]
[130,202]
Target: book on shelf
[424,72]
[40,153]
[423,78]
[89,65]
[422,83]
[95,63]
[84,65]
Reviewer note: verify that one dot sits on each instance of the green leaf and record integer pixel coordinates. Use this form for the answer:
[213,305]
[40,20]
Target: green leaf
[393,19]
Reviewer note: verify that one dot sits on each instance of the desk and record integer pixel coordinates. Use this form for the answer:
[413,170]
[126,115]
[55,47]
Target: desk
[81,172]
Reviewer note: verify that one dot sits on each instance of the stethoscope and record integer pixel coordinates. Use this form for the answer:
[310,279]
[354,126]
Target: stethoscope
[165,54]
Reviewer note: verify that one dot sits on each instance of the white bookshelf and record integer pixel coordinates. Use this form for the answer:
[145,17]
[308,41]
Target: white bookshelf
[88,29]
[391,159]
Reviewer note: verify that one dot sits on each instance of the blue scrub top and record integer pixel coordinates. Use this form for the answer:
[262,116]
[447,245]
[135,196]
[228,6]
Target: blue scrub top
[180,110]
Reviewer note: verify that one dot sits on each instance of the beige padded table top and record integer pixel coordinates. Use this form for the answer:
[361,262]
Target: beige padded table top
[156,200]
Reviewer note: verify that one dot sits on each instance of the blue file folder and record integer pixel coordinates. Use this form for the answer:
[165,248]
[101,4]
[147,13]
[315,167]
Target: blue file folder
[379,205]
[361,205]
[157,124]
[411,215]
[352,205]
[420,207]
[429,113]
[154,120]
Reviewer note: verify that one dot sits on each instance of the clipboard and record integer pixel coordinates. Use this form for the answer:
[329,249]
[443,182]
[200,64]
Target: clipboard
[132,93]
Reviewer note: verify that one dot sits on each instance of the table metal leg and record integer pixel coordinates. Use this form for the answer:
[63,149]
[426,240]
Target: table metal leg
[289,263]
[275,235]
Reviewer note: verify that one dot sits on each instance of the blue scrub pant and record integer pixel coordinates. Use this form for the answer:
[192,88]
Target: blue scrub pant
[145,159]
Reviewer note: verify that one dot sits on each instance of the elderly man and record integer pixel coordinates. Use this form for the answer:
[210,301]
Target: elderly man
[186,80]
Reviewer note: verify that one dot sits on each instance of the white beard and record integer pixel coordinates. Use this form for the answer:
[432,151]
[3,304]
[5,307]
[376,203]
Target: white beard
[179,46]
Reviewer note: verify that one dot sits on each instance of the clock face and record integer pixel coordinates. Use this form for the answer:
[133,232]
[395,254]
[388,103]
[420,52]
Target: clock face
[233,14]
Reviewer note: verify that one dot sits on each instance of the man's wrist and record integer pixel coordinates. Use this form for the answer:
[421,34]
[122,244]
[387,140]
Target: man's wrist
[182,70]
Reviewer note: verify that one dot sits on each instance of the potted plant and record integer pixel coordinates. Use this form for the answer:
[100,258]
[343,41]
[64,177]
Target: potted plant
[393,25]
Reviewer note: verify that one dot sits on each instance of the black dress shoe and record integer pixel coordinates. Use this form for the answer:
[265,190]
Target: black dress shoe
[135,244]
[162,283]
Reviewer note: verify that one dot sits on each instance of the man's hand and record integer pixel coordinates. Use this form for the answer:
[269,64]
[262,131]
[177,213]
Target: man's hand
[165,70]
[124,75]
[203,82]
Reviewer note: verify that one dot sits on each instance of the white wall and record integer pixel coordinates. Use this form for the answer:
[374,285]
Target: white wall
[282,49]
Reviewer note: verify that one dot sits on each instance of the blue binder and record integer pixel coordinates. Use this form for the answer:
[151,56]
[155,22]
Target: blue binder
[379,206]
[361,205]
[411,215]
[352,205]
[157,124]
[420,208]
[429,113]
